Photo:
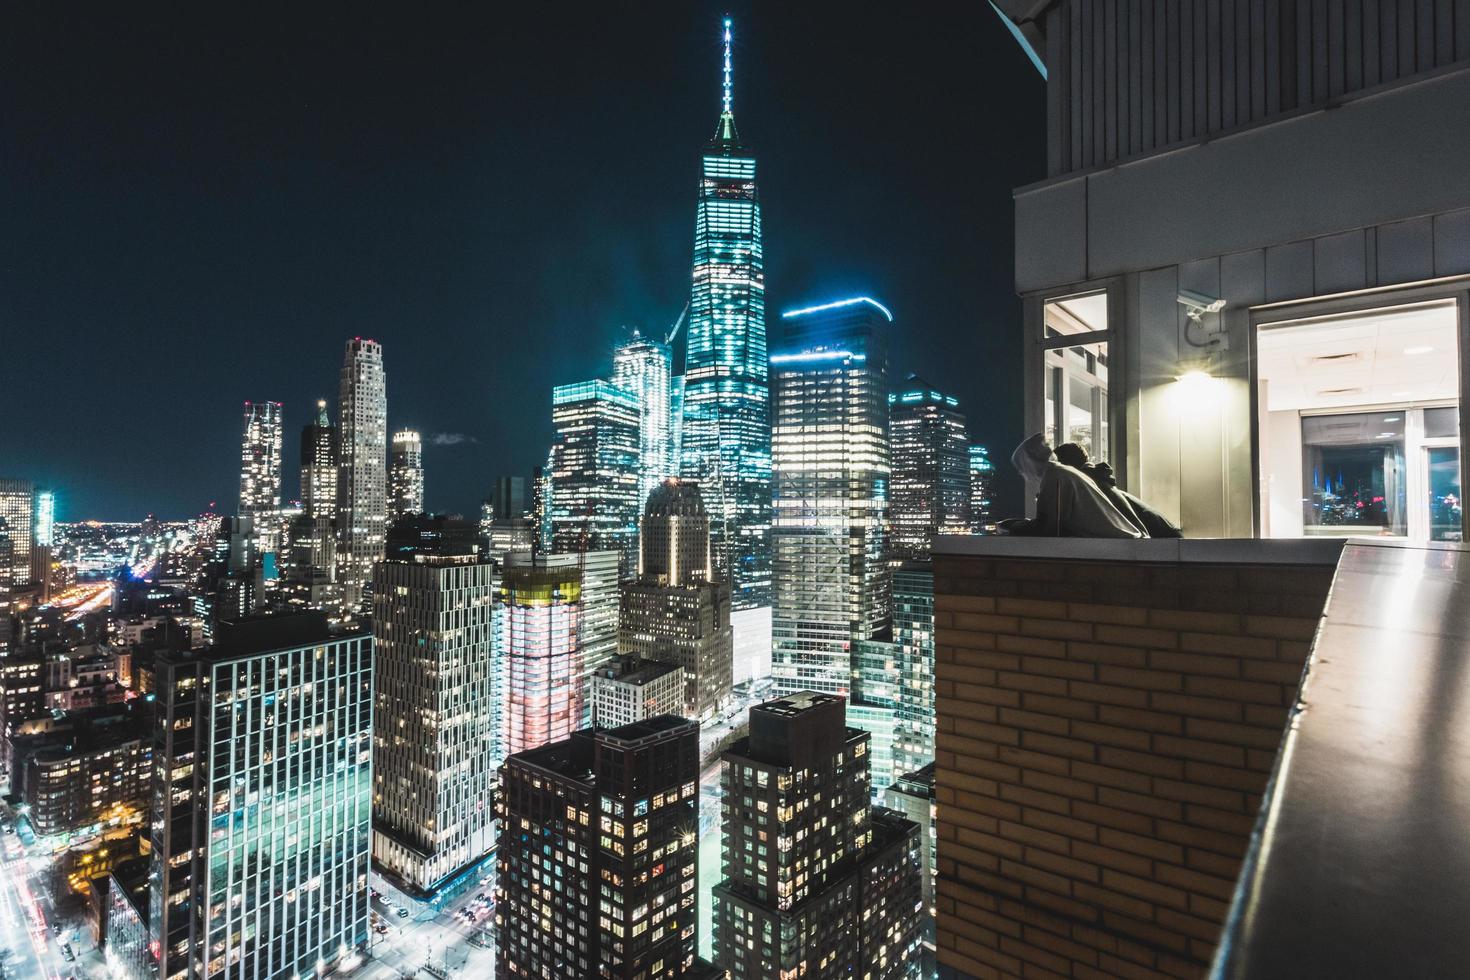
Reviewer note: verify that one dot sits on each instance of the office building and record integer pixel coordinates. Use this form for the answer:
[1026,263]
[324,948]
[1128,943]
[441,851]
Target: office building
[406,475]
[597,617]
[817,882]
[260,472]
[674,613]
[308,567]
[982,490]
[508,501]
[598,856]
[676,419]
[362,468]
[912,794]
[913,677]
[726,438]
[642,366]
[124,916]
[629,690]
[263,754]
[18,510]
[930,490]
[540,619]
[595,470]
[541,503]
[438,700]
[831,467]
[319,466]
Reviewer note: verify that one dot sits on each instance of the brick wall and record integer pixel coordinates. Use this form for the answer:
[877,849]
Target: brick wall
[1106,730]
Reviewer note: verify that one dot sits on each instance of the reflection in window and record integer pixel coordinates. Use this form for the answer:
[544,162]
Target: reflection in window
[1353,474]
[1445,503]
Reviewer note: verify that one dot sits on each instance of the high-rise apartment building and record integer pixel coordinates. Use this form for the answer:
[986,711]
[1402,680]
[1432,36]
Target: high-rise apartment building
[540,613]
[674,613]
[930,490]
[595,473]
[406,475]
[262,801]
[319,465]
[598,856]
[831,466]
[817,882]
[725,444]
[437,704]
[18,511]
[260,473]
[982,489]
[643,366]
[362,468]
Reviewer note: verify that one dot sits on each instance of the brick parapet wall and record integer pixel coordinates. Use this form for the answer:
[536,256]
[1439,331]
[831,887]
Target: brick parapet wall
[1105,733]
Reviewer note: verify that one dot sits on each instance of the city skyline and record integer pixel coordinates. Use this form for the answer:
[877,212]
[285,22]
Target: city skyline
[816,248]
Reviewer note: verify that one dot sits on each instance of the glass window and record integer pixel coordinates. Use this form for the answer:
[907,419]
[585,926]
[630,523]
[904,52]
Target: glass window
[1076,393]
[1444,491]
[1353,474]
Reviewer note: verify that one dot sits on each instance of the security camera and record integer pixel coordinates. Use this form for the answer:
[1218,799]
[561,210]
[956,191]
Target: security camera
[1197,305]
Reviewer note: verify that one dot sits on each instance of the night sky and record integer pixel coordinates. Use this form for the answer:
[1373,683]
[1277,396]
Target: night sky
[198,212]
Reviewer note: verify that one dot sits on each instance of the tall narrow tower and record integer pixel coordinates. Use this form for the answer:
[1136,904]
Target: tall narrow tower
[260,472]
[362,467]
[319,466]
[641,366]
[406,474]
[726,438]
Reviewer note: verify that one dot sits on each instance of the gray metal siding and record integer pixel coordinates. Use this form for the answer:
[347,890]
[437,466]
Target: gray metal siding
[1134,76]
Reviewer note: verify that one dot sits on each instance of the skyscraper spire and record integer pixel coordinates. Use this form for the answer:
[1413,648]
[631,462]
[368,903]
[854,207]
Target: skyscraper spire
[729,87]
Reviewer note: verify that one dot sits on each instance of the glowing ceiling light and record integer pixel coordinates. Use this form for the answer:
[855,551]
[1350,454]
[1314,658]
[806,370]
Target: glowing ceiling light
[1417,350]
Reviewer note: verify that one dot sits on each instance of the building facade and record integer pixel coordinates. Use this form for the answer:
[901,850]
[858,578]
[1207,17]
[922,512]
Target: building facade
[725,443]
[597,616]
[18,511]
[263,750]
[643,366]
[982,490]
[260,472]
[930,490]
[93,768]
[675,613]
[362,468]
[913,638]
[629,690]
[817,882]
[406,475]
[319,466]
[598,856]
[438,702]
[595,469]
[540,621]
[832,468]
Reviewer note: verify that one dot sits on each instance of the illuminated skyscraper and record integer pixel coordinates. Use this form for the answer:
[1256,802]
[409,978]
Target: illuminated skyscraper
[597,616]
[982,488]
[18,511]
[726,439]
[817,882]
[642,366]
[45,518]
[260,473]
[362,468]
[831,463]
[406,475]
[438,698]
[263,748]
[930,491]
[540,613]
[594,489]
[319,466]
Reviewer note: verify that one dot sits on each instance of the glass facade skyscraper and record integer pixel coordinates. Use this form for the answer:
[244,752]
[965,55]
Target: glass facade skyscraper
[982,492]
[406,474]
[642,366]
[594,484]
[726,436]
[930,492]
[831,470]
[319,466]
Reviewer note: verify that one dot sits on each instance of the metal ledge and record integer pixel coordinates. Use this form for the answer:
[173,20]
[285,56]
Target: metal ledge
[1207,551]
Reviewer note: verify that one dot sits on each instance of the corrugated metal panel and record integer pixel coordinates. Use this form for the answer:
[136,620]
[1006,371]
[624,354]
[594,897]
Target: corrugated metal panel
[1134,76]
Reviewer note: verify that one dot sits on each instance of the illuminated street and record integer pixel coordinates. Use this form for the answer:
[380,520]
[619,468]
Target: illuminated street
[430,943]
[29,946]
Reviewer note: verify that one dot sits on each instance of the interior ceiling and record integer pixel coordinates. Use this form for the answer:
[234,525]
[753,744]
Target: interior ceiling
[1081,314]
[1361,360]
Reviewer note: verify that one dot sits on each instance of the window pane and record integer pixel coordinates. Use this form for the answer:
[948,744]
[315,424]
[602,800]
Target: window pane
[1441,422]
[1353,474]
[1076,315]
[1077,398]
[1444,492]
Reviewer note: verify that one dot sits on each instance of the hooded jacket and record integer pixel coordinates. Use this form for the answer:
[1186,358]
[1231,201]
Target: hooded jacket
[1068,504]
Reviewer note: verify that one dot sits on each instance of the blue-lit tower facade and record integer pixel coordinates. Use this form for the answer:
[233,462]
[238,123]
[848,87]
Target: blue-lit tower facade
[642,366]
[726,435]
[594,470]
